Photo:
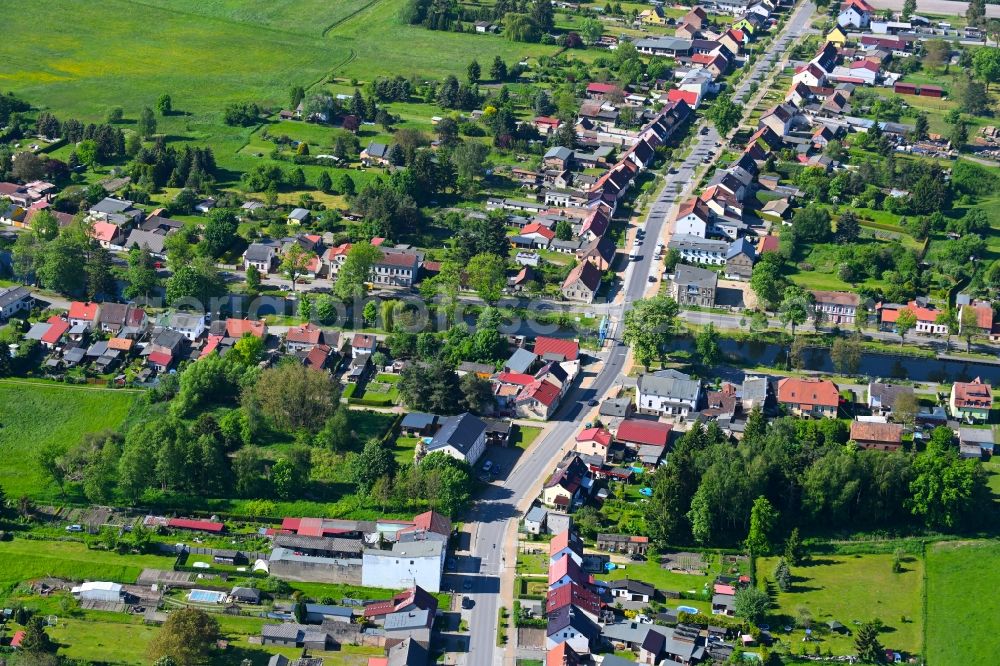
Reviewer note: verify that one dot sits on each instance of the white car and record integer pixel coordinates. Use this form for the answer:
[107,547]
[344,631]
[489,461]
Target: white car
[488,465]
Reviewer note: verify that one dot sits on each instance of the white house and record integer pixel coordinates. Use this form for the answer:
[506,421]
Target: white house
[407,564]
[668,393]
[14,300]
[811,75]
[462,437]
[855,14]
[190,326]
[260,256]
[693,218]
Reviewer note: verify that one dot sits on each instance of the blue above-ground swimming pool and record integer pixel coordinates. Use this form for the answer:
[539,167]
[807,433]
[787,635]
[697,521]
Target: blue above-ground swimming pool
[687,609]
[648,492]
[206,596]
[610,566]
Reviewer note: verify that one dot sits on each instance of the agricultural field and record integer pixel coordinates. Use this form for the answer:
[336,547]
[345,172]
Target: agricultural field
[956,579]
[850,589]
[34,415]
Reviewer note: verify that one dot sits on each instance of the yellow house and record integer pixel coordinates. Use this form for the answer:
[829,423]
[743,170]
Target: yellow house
[653,16]
[837,37]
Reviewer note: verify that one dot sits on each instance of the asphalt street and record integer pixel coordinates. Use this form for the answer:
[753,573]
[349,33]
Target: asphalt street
[497,505]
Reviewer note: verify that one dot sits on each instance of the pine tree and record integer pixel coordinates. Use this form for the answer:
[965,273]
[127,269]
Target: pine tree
[793,547]
[866,642]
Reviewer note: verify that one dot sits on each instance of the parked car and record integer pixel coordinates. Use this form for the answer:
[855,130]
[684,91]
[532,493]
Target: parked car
[74,528]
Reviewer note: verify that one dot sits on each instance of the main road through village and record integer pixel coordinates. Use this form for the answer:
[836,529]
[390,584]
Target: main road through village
[489,522]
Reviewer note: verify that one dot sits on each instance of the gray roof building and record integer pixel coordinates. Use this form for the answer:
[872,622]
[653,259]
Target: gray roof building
[460,432]
[520,361]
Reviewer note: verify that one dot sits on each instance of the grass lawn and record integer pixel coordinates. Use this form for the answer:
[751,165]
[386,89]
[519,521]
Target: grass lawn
[664,579]
[957,575]
[34,415]
[524,436]
[25,560]
[403,450]
[848,589]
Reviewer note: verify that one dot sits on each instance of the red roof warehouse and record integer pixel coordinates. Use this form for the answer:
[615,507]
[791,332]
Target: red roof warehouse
[640,431]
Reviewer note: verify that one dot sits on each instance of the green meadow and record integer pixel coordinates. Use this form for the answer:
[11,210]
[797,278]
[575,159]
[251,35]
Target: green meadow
[34,415]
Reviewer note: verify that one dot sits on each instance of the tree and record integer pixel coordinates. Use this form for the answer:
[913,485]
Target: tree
[909,8]
[164,105]
[591,29]
[477,393]
[783,576]
[198,280]
[976,12]
[707,344]
[971,97]
[794,308]
[751,604]
[253,281]
[762,520]
[220,231]
[324,183]
[904,322]
[28,166]
[724,114]
[905,408]
[846,355]
[648,326]
[968,325]
[295,263]
[356,271]
[793,547]
[188,637]
[296,96]
[498,70]
[147,123]
[946,490]
[140,275]
[920,126]
[543,14]
[294,397]
[848,227]
[767,281]
[375,461]
[866,642]
[487,275]
[473,72]
[36,641]
[564,230]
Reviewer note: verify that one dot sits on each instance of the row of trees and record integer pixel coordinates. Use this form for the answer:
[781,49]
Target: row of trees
[793,473]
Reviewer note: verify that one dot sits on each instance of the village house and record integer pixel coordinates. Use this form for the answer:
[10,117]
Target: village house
[636,432]
[695,286]
[697,250]
[976,443]
[623,543]
[396,269]
[971,401]
[740,258]
[594,442]
[462,437]
[667,393]
[569,483]
[84,314]
[407,564]
[855,14]
[809,397]
[882,397]
[571,627]
[14,300]
[836,307]
[877,436]
[927,316]
[582,283]
[261,256]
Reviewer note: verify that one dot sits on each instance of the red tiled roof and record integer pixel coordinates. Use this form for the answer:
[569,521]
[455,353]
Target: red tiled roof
[561,655]
[430,521]
[193,524]
[972,394]
[160,358]
[519,378]
[689,96]
[536,228]
[547,120]
[562,541]
[599,435]
[210,346]
[602,88]
[984,316]
[540,390]
[305,334]
[120,344]
[57,328]
[362,341]
[316,358]
[83,311]
[822,392]
[574,594]
[768,244]
[569,349]
[311,527]
[237,328]
[104,231]
[888,433]
[566,566]
[15,641]
[927,315]
[641,431]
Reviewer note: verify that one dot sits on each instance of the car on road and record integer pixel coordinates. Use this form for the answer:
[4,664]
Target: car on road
[636,557]
[704,130]
[592,402]
[74,528]
[652,278]
[673,170]
[466,602]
